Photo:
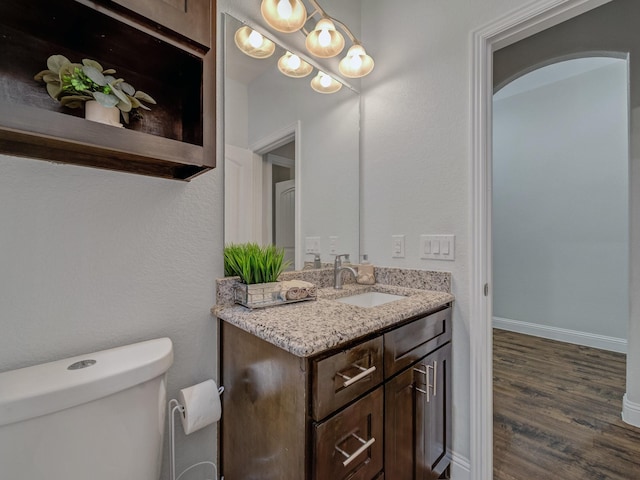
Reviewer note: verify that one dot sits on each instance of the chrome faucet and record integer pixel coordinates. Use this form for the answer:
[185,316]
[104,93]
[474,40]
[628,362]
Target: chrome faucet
[338,268]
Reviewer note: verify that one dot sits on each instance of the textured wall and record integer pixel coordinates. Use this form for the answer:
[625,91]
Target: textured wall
[415,147]
[91,259]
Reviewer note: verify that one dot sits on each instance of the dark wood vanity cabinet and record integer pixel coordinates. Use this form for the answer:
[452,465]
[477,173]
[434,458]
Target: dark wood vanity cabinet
[151,44]
[378,407]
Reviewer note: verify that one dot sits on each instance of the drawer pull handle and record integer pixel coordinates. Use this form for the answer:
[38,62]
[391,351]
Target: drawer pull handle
[365,445]
[364,372]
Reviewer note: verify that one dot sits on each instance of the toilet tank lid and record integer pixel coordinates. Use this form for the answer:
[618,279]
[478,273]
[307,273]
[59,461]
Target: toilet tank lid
[50,387]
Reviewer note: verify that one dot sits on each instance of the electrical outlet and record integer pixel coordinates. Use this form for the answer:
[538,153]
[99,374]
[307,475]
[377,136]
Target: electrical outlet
[312,245]
[333,245]
[397,246]
[437,247]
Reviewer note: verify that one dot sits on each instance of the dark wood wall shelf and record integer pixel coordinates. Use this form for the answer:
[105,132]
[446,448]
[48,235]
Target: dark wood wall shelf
[176,139]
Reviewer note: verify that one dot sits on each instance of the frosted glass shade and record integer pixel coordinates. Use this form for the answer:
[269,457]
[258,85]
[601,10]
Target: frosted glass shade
[253,43]
[284,15]
[293,66]
[357,63]
[325,41]
[323,83]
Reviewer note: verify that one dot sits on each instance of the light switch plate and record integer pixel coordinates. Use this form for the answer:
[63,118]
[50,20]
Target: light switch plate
[437,247]
[312,245]
[397,246]
[333,245]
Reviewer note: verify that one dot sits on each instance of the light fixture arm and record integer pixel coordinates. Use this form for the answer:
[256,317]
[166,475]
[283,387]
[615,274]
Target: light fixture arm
[320,10]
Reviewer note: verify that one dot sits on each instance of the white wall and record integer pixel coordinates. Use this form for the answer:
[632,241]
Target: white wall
[415,148]
[560,202]
[91,259]
[236,115]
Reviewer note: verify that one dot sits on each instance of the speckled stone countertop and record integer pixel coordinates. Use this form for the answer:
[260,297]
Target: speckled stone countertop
[308,328]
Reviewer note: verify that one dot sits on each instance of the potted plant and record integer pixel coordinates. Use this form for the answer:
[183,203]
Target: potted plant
[74,84]
[258,268]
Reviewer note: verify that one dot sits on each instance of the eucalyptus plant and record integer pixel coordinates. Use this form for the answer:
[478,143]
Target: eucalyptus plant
[72,84]
[253,263]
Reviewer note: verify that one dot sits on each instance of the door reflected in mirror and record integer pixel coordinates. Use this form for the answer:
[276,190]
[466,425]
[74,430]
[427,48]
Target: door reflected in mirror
[291,158]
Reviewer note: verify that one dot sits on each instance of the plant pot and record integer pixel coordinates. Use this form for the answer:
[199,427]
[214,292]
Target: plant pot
[257,295]
[97,113]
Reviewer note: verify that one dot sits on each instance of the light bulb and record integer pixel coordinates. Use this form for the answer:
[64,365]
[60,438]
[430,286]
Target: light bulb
[284,9]
[324,38]
[255,39]
[294,62]
[325,80]
[355,62]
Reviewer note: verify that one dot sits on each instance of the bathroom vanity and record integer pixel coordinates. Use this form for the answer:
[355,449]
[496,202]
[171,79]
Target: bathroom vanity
[328,390]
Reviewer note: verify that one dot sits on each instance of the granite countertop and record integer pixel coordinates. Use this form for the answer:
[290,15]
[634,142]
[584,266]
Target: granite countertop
[311,327]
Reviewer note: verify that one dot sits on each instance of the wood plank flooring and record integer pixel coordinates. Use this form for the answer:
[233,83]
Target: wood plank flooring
[557,412]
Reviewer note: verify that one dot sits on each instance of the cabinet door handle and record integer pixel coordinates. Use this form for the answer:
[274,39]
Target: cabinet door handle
[425,372]
[365,372]
[365,445]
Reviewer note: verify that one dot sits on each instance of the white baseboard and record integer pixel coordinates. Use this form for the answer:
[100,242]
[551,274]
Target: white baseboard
[460,467]
[562,334]
[630,411]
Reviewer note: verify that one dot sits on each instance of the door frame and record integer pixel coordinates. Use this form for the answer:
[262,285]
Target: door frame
[515,26]
[277,139]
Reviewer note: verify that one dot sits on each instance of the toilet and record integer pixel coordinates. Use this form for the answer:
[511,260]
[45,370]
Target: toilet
[99,416]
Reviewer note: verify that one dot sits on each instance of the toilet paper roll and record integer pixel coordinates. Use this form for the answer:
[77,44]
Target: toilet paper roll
[201,404]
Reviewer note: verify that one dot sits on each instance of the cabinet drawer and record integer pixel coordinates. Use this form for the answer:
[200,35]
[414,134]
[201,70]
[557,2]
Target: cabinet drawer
[350,444]
[409,343]
[344,376]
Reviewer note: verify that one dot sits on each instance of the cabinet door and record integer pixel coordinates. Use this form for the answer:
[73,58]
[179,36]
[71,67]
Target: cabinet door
[189,18]
[433,413]
[400,441]
[418,419]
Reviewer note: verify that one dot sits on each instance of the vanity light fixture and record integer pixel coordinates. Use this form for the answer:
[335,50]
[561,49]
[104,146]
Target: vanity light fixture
[325,40]
[293,66]
[323,83]
[285,16]
[253,43]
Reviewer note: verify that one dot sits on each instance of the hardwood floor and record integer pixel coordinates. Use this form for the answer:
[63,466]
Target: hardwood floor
[557,412]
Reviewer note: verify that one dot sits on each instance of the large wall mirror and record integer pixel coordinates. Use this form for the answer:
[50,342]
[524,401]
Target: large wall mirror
[291,158]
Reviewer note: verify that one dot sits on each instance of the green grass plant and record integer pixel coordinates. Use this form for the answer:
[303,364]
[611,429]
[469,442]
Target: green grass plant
[254,263]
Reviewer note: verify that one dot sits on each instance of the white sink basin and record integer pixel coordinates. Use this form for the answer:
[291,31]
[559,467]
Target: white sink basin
[370,299]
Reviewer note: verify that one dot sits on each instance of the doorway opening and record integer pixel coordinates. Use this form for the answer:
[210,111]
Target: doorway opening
[262,195]
[560,230]
[279,175]
[520,24]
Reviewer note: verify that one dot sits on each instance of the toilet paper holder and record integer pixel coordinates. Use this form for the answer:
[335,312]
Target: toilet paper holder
[199,406]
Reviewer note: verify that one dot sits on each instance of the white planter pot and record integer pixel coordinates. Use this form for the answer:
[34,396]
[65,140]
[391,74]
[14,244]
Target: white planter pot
[97,113]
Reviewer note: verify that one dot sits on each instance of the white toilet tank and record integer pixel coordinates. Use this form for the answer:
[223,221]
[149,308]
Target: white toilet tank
[101,421]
